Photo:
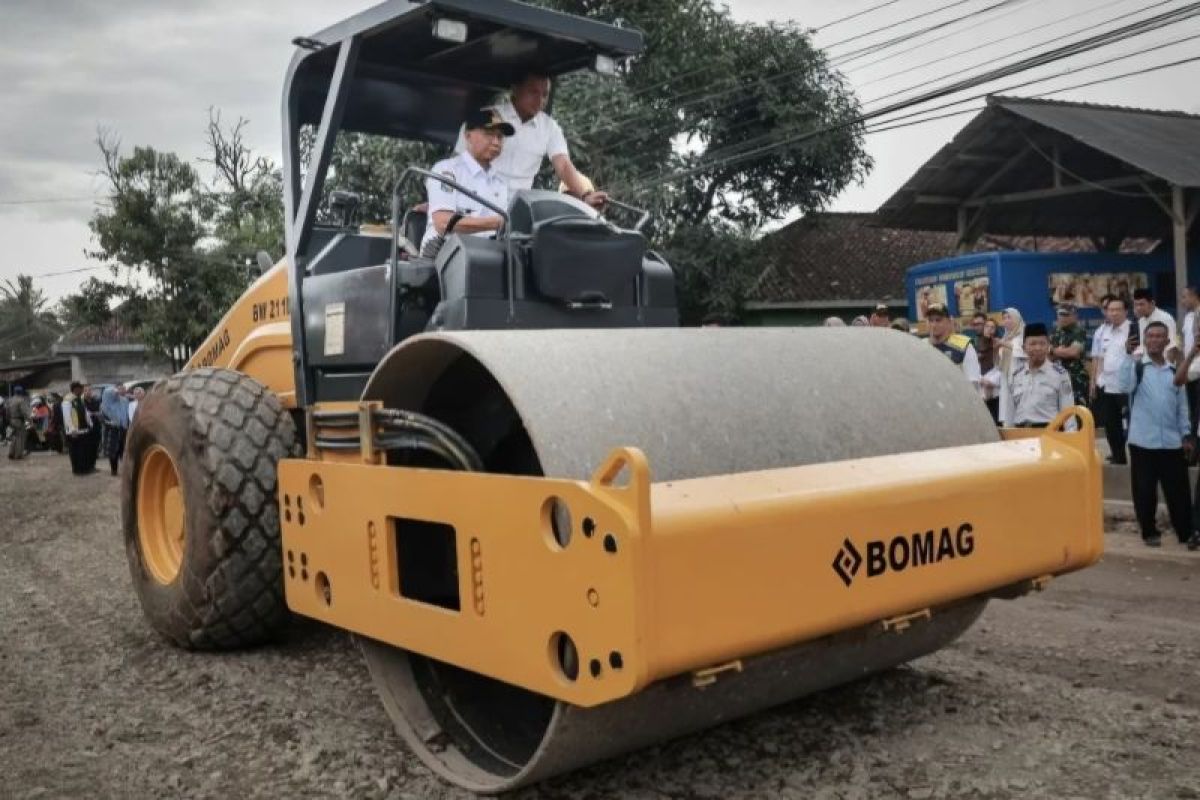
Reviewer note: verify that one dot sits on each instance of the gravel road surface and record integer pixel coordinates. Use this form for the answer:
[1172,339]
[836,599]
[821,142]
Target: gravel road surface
[1088,690]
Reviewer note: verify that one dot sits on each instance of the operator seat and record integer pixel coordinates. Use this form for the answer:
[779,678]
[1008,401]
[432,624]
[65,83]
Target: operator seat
[413,227]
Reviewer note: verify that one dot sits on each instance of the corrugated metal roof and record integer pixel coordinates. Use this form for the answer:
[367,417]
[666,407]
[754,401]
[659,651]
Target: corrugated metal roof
[1164,143]
[1105,160]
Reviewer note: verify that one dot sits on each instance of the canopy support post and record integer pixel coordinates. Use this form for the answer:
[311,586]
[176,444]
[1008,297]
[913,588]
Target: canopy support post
[1179,220]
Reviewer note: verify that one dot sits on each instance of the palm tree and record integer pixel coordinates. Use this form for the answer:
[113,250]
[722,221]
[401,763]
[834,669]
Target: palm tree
[27,326]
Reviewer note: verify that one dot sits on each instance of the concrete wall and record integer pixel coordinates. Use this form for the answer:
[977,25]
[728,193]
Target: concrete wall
[114,363]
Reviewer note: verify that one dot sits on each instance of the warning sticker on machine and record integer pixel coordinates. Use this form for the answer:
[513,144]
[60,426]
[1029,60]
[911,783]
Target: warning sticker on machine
[335,329]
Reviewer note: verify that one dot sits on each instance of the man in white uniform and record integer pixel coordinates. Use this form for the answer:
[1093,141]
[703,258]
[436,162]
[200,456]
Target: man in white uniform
[1147,311]
[1109,350]
[537,137]
[474,169]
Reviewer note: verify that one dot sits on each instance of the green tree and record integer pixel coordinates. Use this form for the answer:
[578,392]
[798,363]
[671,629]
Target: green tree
[243,202]
[27,326]
[90,305]
[195,243]
[104,304]
[690,123]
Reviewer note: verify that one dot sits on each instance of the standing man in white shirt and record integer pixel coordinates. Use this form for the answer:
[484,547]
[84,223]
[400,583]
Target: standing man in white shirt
[136,396]
[76,427]
[474,169]
[1146,311]
[1109,403]
[537,138]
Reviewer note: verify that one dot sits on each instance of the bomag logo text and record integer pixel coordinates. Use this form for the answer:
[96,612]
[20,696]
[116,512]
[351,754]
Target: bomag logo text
[903,552]
[215,349]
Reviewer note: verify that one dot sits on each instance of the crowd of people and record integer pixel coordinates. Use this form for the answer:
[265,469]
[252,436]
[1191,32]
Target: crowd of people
[85,423]
[1139,376]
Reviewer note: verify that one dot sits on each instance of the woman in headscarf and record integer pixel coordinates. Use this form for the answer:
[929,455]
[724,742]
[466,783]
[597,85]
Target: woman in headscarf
[1011,352]
[114,415]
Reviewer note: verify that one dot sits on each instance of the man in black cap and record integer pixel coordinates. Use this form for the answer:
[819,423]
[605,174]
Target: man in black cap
[1068,346]
[76,427]
[881,317]
[955,346]
[1040,389]
[451,211]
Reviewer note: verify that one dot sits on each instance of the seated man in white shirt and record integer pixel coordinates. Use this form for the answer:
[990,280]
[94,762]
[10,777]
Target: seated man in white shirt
[474,168]
[537,137]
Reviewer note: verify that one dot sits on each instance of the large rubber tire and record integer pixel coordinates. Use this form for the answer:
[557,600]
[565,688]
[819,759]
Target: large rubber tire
[217,436]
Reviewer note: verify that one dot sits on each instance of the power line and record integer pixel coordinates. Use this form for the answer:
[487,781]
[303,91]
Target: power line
[855,15]
[1134,73]
[42,200]
[846,58]
[1075,48]
[1033,47]
[710,162]
[713,67]
[966,28]
[864,35]
[68,272]
[985,45]
[701,97]
[884,126]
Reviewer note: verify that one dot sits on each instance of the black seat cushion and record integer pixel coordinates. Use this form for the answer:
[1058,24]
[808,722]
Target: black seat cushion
[578,259]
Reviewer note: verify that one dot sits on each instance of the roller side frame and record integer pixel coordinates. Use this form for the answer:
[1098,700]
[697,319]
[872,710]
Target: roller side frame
[662,579]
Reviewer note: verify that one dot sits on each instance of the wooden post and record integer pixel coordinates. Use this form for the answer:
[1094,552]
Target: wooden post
[960,246]
[1180,225]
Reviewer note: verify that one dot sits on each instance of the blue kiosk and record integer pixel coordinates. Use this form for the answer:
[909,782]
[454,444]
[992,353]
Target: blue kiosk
[1035,282]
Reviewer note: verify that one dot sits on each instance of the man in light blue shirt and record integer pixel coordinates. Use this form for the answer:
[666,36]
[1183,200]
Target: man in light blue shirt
[1160,437]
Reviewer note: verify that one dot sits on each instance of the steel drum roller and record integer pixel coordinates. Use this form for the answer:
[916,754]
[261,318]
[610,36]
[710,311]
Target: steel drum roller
[698,402]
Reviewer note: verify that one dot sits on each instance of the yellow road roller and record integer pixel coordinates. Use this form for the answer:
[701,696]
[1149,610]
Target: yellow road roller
[560,526]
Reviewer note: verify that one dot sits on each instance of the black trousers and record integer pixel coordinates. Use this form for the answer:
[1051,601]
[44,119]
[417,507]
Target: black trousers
[1111,411]
[1192,389]
[1151,468]
[993,407]
[78,448]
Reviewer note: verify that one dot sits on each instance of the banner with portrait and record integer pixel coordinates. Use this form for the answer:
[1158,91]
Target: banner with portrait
[1085,289]
[928,295]
[970,288]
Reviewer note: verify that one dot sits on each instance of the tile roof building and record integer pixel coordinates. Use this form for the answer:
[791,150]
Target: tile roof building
[844,263]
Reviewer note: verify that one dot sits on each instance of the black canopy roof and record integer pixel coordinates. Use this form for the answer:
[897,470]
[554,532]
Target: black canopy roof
[410,84]
[1025,167]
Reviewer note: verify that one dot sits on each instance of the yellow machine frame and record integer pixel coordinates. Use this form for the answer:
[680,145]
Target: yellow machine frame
[255,337]
[663,579]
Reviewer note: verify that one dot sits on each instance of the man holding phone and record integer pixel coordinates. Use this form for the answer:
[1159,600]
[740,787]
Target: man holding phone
[1160,437]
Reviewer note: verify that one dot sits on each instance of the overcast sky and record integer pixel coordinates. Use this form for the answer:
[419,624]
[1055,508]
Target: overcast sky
[149,70]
